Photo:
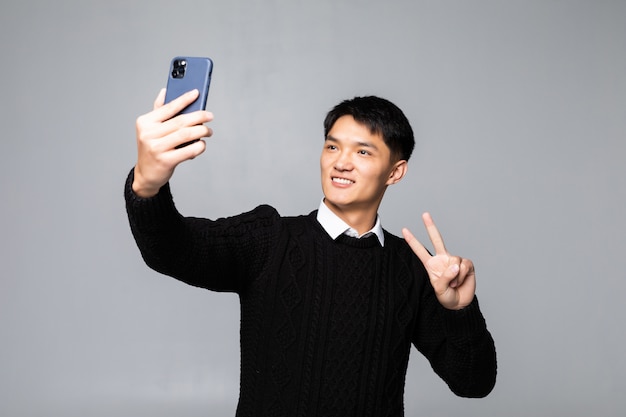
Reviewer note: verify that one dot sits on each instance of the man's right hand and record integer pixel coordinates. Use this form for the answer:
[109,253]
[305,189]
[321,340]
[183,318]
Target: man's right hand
[158,135]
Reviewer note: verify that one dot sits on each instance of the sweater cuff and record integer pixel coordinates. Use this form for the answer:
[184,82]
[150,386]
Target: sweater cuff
[464,322]
[144,211]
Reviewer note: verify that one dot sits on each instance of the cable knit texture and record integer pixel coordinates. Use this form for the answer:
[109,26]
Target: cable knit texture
[326,326]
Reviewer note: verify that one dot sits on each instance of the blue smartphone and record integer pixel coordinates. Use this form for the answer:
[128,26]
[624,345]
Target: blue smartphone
[186,74]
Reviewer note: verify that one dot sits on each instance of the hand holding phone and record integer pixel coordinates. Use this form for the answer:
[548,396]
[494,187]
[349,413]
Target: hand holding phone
[156,163]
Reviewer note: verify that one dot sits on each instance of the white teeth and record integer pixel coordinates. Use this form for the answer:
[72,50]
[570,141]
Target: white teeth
[342,181]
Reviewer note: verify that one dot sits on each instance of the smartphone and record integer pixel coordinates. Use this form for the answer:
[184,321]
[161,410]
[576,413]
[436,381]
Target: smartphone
[186,74]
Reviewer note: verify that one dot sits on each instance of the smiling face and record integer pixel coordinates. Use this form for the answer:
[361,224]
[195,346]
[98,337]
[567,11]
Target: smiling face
[356,168]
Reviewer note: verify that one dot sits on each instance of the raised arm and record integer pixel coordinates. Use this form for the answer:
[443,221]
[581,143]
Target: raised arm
[454,338]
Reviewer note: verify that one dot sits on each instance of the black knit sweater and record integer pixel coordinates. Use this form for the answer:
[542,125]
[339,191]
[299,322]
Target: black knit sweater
[326,326]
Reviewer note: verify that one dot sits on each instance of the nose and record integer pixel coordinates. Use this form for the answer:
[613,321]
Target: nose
[343,162]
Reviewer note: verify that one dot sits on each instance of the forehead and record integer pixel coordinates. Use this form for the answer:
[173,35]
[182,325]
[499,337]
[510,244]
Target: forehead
[348,130]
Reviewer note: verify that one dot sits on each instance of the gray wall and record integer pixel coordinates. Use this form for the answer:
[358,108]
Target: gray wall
[520,112]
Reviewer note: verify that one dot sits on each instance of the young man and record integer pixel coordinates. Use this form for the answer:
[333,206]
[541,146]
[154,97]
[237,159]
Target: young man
[330,302]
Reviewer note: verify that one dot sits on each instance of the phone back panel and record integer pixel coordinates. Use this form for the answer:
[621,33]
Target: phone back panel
[186,74]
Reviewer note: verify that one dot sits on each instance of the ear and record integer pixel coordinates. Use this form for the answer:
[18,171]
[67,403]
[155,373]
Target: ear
[398,171]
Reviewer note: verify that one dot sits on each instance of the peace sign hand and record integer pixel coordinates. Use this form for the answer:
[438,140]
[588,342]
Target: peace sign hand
[452,277]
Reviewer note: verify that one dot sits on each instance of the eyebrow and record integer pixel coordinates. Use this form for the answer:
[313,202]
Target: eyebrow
[330,138]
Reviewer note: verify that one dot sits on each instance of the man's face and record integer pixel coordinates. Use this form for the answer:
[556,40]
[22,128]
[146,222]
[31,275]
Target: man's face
[356,167]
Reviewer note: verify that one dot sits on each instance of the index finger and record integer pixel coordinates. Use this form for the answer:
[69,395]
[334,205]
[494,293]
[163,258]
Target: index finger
[417,247]
[433,234]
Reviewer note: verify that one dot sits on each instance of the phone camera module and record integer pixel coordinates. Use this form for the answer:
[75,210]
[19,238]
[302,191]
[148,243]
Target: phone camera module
[178,70]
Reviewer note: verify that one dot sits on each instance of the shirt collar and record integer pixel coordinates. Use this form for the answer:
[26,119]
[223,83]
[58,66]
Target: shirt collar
[335,227]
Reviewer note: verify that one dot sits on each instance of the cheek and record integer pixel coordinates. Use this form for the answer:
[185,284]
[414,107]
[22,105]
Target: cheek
[378,178]
[323,167]
[325,162]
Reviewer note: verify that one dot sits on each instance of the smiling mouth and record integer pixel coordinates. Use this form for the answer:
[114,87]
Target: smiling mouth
[342,181]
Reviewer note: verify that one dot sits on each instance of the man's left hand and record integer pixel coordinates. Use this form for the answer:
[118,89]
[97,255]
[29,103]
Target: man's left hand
[452,277]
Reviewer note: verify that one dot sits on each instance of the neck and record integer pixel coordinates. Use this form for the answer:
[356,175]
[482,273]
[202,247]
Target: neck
[361,220]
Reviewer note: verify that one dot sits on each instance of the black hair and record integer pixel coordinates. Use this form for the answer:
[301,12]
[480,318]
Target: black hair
[381,117]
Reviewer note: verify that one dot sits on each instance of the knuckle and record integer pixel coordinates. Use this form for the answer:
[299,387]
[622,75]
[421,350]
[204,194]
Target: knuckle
[140,121]
[143,126]
[467,265]
[142,134]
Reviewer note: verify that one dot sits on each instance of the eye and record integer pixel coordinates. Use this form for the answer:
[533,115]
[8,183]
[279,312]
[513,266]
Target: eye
[331,147]
[363,152]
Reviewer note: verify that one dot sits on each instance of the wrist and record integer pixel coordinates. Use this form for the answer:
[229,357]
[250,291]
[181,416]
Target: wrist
[141,188]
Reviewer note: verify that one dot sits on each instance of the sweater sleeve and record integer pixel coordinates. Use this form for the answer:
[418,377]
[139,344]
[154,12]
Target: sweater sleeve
[219,255]
[457,344]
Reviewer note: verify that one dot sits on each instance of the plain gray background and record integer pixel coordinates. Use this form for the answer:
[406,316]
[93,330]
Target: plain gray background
[519,108]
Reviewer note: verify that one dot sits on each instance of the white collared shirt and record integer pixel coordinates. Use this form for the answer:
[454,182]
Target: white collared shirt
[335,227]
